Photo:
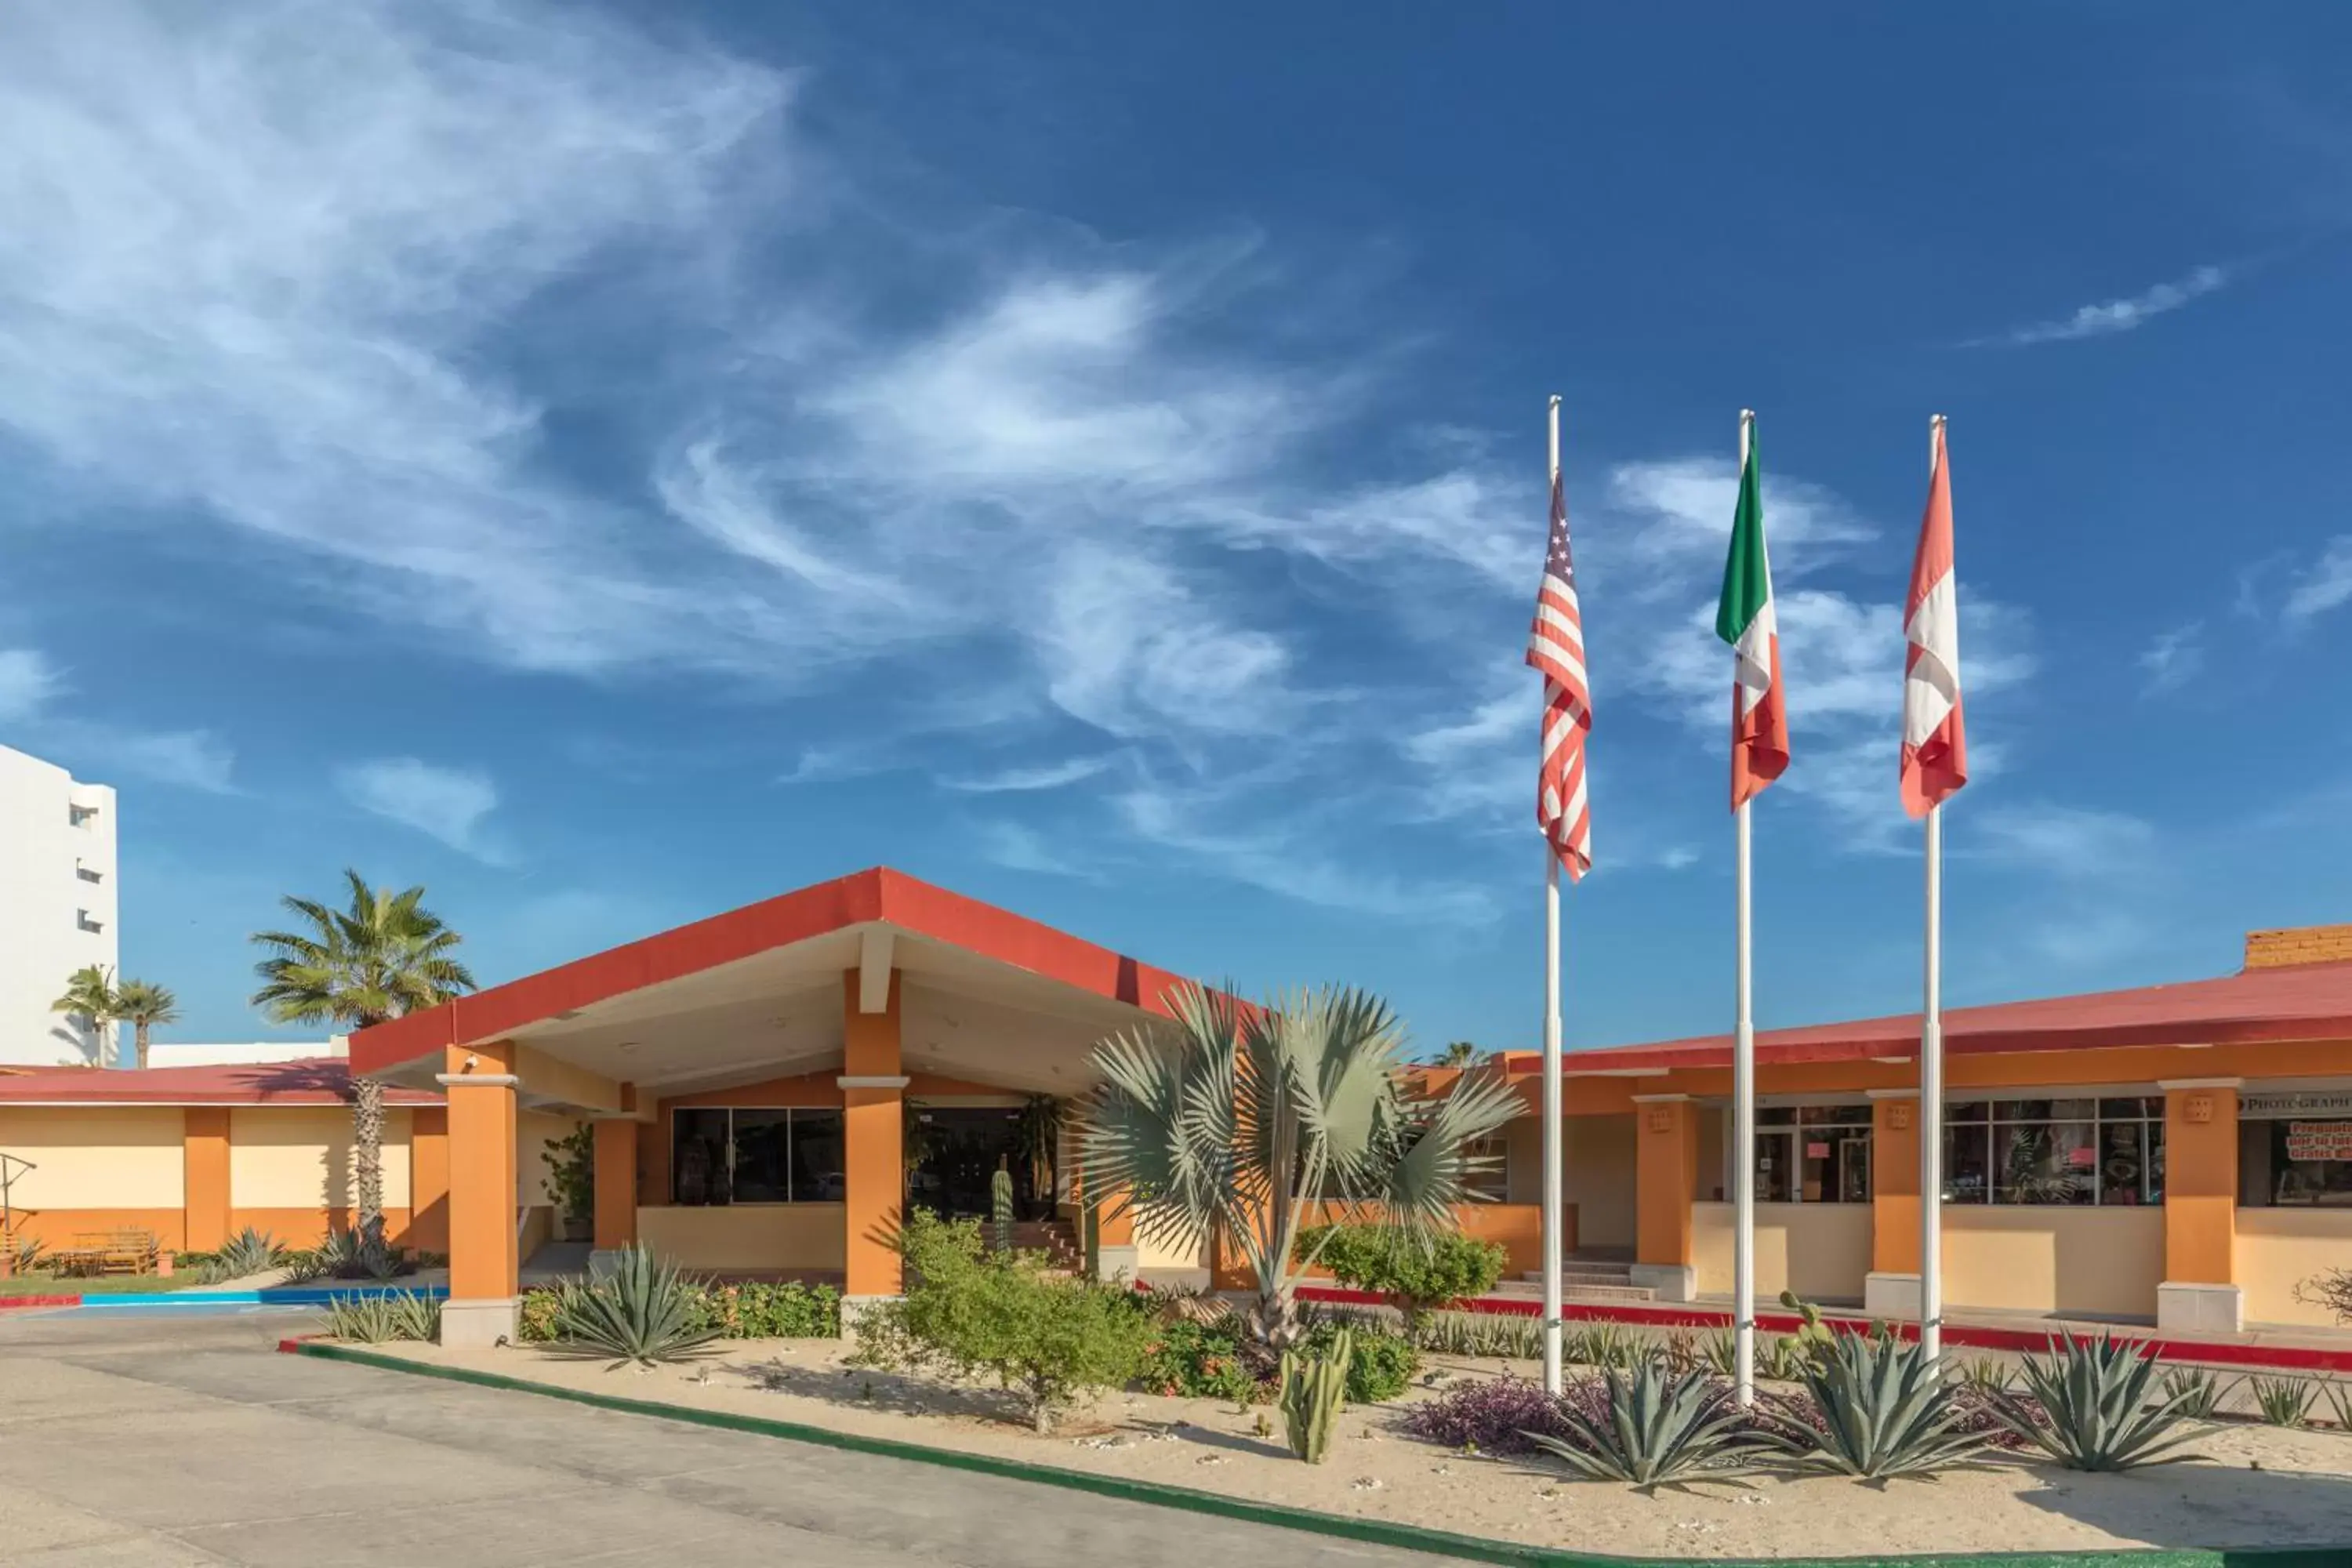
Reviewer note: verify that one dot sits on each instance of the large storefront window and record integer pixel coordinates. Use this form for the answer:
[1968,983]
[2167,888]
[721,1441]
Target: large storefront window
[2070,1152]
[756,1154]
[2294,1150]
[1812,1153]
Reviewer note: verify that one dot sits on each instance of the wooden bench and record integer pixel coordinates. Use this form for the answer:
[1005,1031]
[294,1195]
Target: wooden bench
[103,1252]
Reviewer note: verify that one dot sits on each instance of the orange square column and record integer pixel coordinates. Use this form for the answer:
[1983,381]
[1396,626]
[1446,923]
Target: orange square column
[616,1184]
[428,1179]
[1890,1289]
[484,1285]
[2199,1289]
[873,1098]
[1666,1182]
[204,1168]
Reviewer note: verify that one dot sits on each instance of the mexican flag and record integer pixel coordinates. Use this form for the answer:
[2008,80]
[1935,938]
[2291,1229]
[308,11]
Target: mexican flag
[1759,720]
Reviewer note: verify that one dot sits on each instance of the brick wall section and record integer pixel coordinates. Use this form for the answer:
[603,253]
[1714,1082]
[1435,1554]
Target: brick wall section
[2299,945]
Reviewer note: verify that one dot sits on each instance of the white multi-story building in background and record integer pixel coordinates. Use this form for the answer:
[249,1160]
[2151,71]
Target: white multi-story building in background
[57,906]
[243,1052]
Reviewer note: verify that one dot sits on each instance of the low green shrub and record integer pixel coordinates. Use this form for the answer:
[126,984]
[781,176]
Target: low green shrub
[754,1310]
[758,1310]
[1382,1365]
[969,1311]
[1214,1360]
[1189,1359]
[1415,1274]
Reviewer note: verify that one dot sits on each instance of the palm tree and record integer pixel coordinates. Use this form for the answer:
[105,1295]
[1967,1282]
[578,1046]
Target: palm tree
[89,1000]
[1459,1054]
[143,1004]
[1248,1121]
[384,956]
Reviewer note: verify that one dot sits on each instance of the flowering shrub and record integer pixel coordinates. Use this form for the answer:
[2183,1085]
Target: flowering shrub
[1491,1416]
[771,1311]
[1201,1361]
[1209,1361]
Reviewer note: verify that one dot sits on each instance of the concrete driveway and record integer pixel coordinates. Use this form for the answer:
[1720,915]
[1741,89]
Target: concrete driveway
[134,1440]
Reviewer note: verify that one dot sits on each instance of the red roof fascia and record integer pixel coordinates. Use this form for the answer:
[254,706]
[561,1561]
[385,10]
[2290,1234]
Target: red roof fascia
[2308,1002]
[876,894]
[310,1081]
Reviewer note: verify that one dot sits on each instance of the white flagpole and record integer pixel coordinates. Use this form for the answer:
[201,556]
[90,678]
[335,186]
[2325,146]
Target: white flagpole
[1550,1093]
[1743,1101]
[1931,1059]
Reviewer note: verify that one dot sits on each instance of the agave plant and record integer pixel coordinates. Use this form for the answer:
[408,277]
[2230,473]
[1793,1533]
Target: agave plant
[355,1255]
[1986,1377]
[2339,1403]
[2102,1407]
[371,1319]
[2284,1401]
[1882,1409]
[642,1311]
[249,1251]
[2197,1388]
[1653,1428]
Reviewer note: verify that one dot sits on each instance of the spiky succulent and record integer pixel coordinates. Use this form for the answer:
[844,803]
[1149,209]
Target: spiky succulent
[1651,1428]
[2101,1407]
[1882,1408]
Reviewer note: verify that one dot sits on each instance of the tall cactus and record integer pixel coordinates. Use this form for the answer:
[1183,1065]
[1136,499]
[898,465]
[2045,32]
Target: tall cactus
[1314,1388]
[999,1208]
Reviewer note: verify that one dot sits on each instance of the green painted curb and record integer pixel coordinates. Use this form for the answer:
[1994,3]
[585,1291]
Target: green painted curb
[1378,1532]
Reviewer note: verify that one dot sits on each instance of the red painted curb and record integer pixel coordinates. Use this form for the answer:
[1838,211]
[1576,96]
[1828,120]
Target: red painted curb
[10,1303]
[2282,1358]
[292,1346]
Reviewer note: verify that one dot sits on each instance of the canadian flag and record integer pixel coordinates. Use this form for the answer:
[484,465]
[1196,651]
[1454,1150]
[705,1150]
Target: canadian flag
[1934,737]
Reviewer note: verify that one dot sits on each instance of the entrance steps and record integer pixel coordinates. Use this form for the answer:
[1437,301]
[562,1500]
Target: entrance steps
[1592,1279]
[1053,1237]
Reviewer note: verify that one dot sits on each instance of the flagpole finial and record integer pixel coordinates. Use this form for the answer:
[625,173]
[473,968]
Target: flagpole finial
[1555,400]
[1748,416]
[1937,420]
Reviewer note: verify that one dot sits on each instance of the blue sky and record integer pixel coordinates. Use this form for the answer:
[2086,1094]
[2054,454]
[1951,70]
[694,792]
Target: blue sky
[610,466]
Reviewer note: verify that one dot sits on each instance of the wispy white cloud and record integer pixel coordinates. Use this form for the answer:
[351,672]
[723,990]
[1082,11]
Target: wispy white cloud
[2325,585]
[2111,316]
[2068,841]
[451,805]
[29,689]
[26,683]
[1017,848]
[1285,856]
[1045,776]
[2173,658]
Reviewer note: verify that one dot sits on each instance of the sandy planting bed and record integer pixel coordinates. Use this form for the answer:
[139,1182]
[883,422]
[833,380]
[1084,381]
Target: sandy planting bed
[2262,1486]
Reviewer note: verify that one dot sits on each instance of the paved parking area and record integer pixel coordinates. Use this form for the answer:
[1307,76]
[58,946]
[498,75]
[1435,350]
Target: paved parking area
[134,1440]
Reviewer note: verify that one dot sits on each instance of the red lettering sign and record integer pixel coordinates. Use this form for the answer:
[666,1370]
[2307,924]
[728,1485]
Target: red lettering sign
[2319,1140]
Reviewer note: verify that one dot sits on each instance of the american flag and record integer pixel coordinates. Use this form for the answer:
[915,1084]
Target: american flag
[1556,646]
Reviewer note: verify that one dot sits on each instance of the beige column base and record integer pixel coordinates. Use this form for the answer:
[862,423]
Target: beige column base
[2207,1309]
[1891,1295]
[477,1324]
[1117,1262]
[1671,1281]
